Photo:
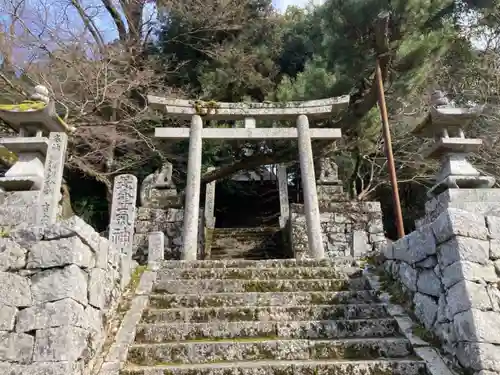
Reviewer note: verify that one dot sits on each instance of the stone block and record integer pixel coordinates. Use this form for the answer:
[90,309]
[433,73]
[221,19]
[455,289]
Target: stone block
[465,295]
[97,288]
[77,225]
[493,223]
[494,249]
[494,294]
[7,317]
[454,222]
[477,326]
[16,347]
[61,252]
[94,319]
[446,333]
[408,276]
[96,328]
[27,235]
[64,343]
[420,244]
[59,283]
[174,215]
[376,226]
[360,243]
[463,270]
[151,214]
[174,230]
[14,290]
[463,248]
[49,368]
[388,251]
[377,237]
[429,283]
[427,263]
[442,311]
[101,255]
[156,247]
[52,314]
[426,309]
[12,256]
[20,198]
[479,356]
[400,248]
[13,216]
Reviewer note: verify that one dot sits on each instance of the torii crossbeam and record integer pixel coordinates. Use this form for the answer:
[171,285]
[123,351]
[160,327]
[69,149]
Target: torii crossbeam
[250,112]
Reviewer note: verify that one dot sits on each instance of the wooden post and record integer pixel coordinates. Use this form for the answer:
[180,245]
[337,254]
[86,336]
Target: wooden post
[388,150]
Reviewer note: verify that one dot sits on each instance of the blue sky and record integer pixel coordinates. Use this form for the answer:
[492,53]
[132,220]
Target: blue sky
[283,4]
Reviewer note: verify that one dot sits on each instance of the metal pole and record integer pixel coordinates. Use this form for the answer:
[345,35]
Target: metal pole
[388,150]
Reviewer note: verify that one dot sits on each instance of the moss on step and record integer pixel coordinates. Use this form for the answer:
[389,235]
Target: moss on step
[226,339]
[426,335]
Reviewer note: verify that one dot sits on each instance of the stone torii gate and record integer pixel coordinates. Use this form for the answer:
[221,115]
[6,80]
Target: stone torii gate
[249,113]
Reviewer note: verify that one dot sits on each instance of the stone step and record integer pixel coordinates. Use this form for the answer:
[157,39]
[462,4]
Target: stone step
[253,254]
[167,301]
[238,350]
[268,263]
[239,286]
[266,313]
[332,367]
[256,230]
[325,329]
[257,273]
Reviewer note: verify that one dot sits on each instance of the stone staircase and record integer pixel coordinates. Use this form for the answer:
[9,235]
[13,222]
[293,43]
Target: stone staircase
[279,317]
[247,243]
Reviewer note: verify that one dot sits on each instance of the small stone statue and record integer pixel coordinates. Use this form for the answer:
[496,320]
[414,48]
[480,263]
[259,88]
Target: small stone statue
[328,171]
[158,190]
[439,99]
[164,178]
[41,93]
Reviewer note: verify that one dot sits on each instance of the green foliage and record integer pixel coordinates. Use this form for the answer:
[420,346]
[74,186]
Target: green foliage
[314,82]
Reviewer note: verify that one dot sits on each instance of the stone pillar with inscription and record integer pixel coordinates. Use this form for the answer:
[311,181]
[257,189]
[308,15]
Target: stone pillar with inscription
[26,150]
[283,195]
[121,226]
[210,203]
[50,196]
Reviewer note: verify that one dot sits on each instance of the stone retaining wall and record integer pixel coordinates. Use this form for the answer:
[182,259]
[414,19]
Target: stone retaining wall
[348,228]
[450,268]
[170,221]
[17,208]
[59,285]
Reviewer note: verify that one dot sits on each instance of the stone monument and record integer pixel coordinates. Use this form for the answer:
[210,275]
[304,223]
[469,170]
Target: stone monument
[160,211]
[33,120]
[446,124]
[328,184]
[158,190]
[457,184]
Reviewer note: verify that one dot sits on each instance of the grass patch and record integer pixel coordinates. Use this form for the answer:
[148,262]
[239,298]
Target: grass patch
[420,331]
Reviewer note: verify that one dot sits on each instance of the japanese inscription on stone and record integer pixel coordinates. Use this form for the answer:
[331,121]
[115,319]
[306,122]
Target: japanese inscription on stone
[210,203]
[121,227]
[51,189]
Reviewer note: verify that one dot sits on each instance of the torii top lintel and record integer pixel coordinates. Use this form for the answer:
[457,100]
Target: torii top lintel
[212,110]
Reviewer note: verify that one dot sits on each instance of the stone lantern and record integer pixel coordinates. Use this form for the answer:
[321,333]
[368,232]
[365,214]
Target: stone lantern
[33,120]
[446,124]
